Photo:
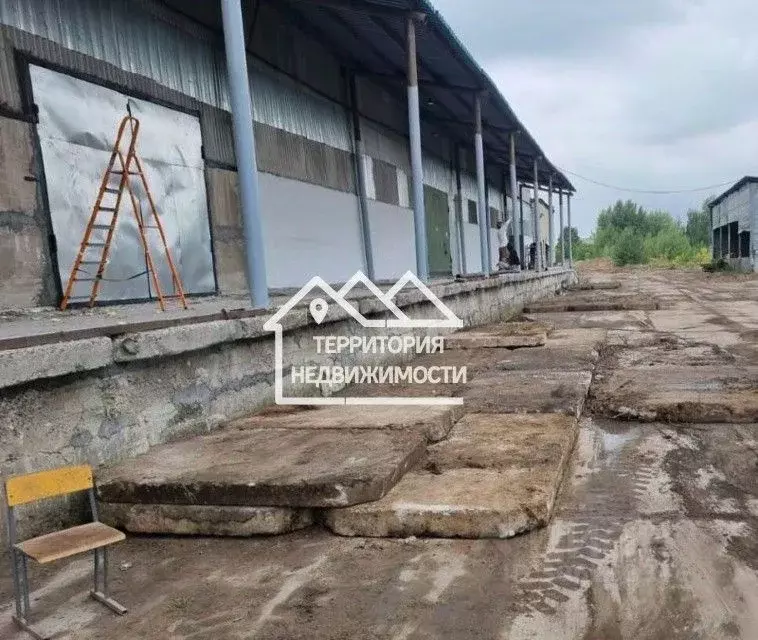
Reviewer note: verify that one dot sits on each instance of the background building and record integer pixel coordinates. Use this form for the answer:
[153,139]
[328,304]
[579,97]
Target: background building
[331,125]
[733,215]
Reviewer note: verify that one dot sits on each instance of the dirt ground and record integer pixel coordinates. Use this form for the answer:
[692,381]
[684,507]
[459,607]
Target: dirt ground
[654,535]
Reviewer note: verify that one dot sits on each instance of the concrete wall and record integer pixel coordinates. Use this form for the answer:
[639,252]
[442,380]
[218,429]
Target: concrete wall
[101,400]
[25,269]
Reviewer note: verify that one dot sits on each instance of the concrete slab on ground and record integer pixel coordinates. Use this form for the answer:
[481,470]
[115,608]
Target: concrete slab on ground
[460,503]
[566,350]
[601,301]
[490,340]
[671,353]
[619,320]
[603,285]
[266,468]
[506,441]
[528,392]
[434,422]
[204,520]
[707,394]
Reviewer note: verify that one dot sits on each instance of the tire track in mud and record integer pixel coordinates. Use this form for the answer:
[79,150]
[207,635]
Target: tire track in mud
[599,507]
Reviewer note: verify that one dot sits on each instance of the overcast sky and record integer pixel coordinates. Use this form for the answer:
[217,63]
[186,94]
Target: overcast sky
[650,94]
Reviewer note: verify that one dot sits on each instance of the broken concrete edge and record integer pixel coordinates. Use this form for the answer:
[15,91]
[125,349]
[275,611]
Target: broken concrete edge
[445,522]
[51,360]
[204,520]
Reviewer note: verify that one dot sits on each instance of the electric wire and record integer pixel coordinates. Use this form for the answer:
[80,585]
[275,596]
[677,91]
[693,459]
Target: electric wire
[648,191]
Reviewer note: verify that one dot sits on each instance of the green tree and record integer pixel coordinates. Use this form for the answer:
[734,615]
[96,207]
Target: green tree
[698,227]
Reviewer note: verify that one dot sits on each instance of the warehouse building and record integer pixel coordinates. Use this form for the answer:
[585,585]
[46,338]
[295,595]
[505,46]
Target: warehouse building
[733,215]
[333,85]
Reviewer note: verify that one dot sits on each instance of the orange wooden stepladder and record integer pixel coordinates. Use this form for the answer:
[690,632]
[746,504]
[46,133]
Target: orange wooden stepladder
[104,218]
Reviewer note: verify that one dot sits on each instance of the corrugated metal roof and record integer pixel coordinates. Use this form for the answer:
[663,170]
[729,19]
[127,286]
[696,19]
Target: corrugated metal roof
[369,36]
[733,189]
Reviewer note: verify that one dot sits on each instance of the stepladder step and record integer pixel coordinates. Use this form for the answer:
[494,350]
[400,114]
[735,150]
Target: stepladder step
[99,246]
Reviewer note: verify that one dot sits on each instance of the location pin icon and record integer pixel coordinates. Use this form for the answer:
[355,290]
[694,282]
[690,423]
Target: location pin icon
[318,310]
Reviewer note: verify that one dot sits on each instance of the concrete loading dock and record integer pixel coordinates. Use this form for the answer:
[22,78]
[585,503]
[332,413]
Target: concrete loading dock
[652,519]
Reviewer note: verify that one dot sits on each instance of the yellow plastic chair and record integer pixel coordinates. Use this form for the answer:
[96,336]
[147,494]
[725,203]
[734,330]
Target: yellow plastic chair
[93,536]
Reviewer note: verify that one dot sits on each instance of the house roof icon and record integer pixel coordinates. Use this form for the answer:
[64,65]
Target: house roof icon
[398,318]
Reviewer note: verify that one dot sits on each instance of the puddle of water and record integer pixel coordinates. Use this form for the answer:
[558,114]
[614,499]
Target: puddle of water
[614,442]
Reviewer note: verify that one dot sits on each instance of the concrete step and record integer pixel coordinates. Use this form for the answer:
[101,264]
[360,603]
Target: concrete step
[496,477]
[266,468]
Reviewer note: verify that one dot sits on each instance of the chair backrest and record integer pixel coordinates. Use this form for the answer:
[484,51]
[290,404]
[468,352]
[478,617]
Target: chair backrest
[47,484]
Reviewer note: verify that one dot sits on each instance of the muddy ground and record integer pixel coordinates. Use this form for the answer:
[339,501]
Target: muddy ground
[654,536]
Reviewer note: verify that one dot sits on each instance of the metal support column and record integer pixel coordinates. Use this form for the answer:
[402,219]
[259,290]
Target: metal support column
[359,153]
[417,167]
[562,232]
[459,210]
[488,223]
[551,230]
[480,181]
[515,196]
[570,240]
[520,240]
[244,148]
[536,218]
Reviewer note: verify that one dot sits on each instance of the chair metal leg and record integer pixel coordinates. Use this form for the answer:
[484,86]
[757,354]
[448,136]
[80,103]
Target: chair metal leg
[17,583]
[101,577]
[21,584]
[25,626]
[25,577]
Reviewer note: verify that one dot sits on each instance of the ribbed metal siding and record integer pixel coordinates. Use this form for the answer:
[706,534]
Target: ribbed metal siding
[127,35]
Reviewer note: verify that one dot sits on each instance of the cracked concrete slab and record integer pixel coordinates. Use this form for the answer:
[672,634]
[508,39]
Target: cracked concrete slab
[266,468]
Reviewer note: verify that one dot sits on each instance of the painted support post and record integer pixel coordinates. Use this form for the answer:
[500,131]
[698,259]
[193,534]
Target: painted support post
[488,222]
[515,195]
[551,230]
[459,209]
[244,149]
[359,154]
[480,181]
[520,239]
[570,239]
[417,166]
[536,218]
[562,232]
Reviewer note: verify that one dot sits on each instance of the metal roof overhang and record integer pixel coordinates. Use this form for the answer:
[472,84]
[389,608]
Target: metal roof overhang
[369,37]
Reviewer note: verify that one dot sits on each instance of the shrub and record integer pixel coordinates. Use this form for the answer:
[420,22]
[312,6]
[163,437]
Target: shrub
[628,249]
